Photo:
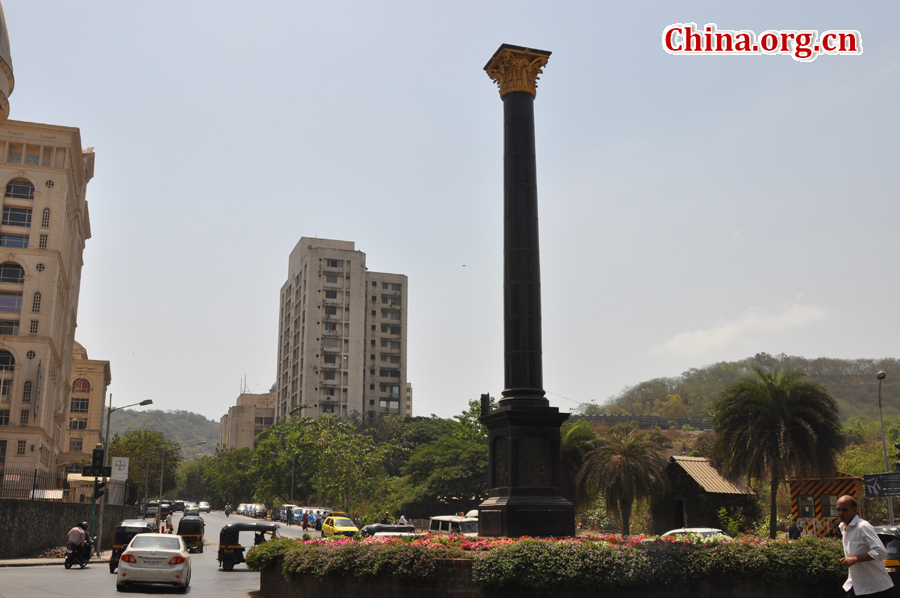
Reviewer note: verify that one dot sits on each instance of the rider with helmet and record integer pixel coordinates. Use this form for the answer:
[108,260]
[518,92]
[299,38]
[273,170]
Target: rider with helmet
[78,534]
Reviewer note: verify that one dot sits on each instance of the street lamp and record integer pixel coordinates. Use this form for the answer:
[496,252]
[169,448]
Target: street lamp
[293,463]
[105,500]
[881,376]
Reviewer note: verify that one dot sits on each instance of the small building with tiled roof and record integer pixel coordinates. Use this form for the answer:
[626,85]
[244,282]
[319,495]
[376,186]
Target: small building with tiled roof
[696,492]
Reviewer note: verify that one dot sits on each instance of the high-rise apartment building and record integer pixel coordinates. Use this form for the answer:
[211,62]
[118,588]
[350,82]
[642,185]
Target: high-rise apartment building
[341,335]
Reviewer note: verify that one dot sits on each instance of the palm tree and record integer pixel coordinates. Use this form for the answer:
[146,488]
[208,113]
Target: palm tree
[577,440]
[777,424]
[625,466]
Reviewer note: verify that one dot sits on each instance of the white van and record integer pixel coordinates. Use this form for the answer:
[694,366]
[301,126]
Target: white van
[453,524]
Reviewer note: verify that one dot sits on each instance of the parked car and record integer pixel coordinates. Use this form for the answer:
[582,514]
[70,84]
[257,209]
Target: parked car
[260,511]
[204,506]
[380,530]
[155,558]
[338,526]
[453,524]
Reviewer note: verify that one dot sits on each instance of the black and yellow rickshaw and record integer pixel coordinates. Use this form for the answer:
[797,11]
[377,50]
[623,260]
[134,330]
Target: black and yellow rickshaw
[190,529]
[230,550]
[122,535]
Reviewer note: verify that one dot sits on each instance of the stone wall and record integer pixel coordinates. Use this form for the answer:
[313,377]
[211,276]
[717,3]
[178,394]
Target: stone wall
[454,580]
[30,526]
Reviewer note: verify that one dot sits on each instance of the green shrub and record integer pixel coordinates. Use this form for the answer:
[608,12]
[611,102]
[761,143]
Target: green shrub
[260,557]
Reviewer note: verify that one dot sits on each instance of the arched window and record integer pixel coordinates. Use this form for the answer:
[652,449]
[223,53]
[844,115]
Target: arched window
[45,218]
[20,189]
[7,361]
[26,392]
[36,304]
[81,385]
[12,272]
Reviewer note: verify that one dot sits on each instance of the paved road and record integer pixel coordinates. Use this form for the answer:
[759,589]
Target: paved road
[207,580]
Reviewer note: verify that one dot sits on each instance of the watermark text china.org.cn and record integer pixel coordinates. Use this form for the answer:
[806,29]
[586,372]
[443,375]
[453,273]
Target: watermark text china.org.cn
[804,46]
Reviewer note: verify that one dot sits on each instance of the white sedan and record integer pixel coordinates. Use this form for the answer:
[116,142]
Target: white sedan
[204,506]
[155,558]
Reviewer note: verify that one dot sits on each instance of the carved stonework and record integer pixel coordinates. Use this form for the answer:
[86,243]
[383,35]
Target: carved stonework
[501,463]
[516,69]
[534,461]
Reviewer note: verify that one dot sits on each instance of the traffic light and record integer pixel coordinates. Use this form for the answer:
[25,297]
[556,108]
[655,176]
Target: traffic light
[98,489]
[97,462]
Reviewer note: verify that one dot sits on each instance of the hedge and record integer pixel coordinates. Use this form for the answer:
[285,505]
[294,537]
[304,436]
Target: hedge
[575,563]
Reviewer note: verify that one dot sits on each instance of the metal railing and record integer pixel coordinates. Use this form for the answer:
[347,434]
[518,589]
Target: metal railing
[32,484]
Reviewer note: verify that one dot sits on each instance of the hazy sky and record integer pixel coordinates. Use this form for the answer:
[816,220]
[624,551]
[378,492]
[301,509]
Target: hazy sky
[693,208]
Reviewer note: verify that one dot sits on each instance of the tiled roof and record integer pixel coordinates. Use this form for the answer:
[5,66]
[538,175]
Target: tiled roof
[709,479]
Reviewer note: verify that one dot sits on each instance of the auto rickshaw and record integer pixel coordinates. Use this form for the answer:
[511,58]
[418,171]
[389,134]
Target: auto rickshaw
[124,532]
[191,531]
[230,550]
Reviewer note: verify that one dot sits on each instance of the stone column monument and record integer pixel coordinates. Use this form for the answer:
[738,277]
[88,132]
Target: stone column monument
[525,473]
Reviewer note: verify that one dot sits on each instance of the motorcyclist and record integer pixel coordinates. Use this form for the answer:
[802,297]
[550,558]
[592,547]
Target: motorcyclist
[228,509]
[77,535]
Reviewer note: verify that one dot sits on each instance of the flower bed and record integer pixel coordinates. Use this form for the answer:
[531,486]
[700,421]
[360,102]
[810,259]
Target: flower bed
[568,564]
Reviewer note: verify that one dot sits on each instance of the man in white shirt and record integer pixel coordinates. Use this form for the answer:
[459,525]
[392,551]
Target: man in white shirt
[863,554]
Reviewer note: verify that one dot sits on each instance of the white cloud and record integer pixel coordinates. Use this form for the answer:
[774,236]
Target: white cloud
[703,341]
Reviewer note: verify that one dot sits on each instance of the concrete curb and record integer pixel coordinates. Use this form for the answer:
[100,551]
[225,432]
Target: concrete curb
[103,559]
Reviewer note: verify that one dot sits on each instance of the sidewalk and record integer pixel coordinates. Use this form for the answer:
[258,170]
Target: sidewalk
[103,559]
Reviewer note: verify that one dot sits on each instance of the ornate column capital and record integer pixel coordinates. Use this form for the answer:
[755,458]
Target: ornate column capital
[514,68]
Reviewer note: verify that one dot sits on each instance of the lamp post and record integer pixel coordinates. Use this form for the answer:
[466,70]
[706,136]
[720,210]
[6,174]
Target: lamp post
[293,463]
[105,500]
[881,376]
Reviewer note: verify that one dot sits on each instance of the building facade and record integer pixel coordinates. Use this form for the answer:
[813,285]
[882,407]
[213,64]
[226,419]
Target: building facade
[341,335]
[84,408]
[44,227]
[244,422]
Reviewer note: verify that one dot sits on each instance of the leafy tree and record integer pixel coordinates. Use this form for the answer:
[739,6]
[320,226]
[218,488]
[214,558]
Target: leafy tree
[624,466]
[578,438]
[228,475]
[777,424]
[145,450]
[191,483]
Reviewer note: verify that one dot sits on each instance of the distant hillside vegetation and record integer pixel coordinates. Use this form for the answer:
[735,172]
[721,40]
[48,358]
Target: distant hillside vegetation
[851,381]
[179,426]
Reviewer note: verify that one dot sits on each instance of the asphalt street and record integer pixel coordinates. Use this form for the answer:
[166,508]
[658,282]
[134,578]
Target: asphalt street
[95,580]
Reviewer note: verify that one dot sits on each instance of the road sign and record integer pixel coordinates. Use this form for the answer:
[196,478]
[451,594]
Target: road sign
[882,484]
[120,468]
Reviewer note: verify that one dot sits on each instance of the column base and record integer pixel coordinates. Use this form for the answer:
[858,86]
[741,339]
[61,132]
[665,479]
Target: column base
[534,516]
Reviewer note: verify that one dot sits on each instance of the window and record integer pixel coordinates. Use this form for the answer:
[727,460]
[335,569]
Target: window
[34,160]
[329,375]
[20,188]
[395,287]
[331,294]
[389,373]
[395,359]
[330,359]
[20,447]
[372,356]
[80,405]
[7,361]
[76,445]
[42,242]
[77,424]
[16,217]
[334,263]
[371,401]
[371,387]
[24,416]
[384,357]
[395,330]
[33,327]
[45,218]
[373,313]
[81,385]
[36,304]
[5,389]
[386,313]
[374,284]
[330,278]
[13,241]
[4,417]
[829,505]
[805,504]
[258,420]
[329,392]
[389,404]
[26,392]
[11,302]
[373,327]
[9,328]
[15,157]
[330,310]
[331,327]
[12,272]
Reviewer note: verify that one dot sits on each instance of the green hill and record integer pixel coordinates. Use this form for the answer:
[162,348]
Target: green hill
[851,381]
[179,426]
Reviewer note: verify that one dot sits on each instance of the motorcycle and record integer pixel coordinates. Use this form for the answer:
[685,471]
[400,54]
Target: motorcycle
[79,555]
[227,511]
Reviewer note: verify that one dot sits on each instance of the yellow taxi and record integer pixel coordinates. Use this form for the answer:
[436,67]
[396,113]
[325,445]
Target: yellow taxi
[338,526]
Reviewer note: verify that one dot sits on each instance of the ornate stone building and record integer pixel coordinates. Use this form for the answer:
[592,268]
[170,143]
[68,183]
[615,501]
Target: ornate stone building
[341,334]
[44,224]
[85,412]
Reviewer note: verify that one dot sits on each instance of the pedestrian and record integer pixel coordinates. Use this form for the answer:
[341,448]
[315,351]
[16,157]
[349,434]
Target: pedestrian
[289,516]
[402,520]
[169,527]
[863,554]
[304,521]
[794,531]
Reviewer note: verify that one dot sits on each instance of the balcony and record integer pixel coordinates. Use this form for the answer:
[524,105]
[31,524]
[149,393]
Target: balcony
[331,350]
